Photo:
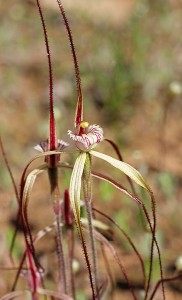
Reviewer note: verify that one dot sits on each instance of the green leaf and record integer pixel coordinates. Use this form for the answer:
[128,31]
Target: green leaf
[124,167]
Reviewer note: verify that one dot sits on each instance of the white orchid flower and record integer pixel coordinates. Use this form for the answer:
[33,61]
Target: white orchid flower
[85,140]
[88,136]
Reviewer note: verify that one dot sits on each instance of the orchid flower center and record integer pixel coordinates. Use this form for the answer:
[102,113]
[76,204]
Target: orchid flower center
[83,128]
[87,137]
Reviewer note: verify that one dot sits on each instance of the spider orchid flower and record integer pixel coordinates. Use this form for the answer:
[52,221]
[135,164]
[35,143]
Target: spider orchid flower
[85,140]
[88,136]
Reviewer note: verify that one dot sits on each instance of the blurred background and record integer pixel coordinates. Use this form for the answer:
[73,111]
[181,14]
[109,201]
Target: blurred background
[130,59]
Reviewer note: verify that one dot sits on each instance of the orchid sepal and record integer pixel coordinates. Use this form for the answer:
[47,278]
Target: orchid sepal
[75,185]
[124,167]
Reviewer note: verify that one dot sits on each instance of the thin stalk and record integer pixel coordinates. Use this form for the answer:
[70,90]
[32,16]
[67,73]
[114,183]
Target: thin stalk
[152,228]
[176,277]
[52,137]
[105,242]
[84,248]
[70,246]
[79,109]
[33,275]
[55,197]
[108,267]
[87,190]
[68,220]
[154,241]
[129,240]
[9,170]
[116,148]
[27,233]
[93,248]
[19,271]
[17,197]
[61,257]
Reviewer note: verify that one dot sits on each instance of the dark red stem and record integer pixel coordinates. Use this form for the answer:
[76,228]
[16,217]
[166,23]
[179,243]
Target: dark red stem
[9,170]
[128,238]
[169,279]
[79,110]
[52,138]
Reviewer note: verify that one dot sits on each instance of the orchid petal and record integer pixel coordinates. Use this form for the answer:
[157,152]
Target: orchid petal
[124,167]
[75,185]
[39,148]
[61,145]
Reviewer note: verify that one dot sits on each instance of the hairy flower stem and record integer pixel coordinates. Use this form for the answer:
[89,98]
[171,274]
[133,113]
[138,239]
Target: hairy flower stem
[87,190]
[61,259]
[55,197]
[70,242]
[85,252]
[70,247]
[79,109]
[169,279]
[154,241]
[129,240]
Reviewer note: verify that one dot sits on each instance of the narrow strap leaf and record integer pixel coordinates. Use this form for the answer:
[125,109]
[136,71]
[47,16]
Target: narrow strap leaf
[124,167]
